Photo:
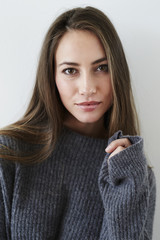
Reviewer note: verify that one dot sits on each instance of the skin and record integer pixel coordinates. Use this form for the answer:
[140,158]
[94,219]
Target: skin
[84,84]
[117,146]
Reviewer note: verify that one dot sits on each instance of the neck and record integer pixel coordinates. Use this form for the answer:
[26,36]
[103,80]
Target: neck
[95,129]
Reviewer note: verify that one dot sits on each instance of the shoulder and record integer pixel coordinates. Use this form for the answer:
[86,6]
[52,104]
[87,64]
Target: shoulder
[6,143]
[5,140]
[15,145]
[12,143]
[11,149]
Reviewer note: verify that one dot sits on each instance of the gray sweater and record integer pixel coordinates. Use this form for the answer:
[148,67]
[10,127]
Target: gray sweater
[76,195]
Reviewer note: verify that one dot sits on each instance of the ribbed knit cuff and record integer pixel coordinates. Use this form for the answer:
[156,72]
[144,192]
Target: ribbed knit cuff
[129,163]
[123,184]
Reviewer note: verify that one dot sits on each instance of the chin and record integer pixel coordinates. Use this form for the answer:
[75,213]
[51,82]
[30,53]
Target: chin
[88,120]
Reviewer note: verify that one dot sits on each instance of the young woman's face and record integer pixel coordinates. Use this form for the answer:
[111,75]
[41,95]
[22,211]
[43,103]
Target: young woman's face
[82,77]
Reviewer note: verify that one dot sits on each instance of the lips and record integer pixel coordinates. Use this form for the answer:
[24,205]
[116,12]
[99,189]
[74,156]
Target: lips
[91,103]
[88,106]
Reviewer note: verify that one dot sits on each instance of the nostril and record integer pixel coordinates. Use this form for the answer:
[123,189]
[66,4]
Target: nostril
[87,92]
[92,91]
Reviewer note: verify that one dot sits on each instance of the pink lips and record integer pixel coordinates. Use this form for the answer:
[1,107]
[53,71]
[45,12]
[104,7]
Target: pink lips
[88,106]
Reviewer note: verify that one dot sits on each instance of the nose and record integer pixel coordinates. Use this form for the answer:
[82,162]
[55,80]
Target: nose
[87,85]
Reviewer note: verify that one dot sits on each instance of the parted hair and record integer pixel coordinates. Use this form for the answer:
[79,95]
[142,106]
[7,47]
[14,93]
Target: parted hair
[43,121]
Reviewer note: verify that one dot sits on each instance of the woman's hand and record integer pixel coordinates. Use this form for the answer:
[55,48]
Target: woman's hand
[117,146]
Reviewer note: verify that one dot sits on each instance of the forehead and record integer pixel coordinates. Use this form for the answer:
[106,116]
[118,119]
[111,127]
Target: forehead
[79,44]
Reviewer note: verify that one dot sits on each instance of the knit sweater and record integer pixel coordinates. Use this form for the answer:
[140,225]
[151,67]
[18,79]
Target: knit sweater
[76,194]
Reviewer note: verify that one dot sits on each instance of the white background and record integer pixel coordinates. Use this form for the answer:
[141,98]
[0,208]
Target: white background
[23,25]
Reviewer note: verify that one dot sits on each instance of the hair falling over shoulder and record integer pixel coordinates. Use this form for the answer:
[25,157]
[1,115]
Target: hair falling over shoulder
[43,120]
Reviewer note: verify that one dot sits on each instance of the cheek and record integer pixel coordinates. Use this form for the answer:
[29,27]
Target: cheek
[59,87]
[65,89]
[106,87]
[60,83]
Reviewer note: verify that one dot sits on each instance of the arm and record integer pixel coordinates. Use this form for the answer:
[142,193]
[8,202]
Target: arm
[127,187]
[6,191]
[2,217]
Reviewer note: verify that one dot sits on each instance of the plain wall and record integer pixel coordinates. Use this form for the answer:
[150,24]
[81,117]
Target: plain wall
[23,25]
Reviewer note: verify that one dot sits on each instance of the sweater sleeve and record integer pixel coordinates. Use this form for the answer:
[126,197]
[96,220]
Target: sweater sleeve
[6,191]
[127,187]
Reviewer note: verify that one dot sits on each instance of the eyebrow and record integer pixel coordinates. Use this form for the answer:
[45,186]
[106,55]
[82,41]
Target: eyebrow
[76,64]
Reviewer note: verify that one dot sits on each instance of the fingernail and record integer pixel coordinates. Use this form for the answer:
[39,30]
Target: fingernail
[108,148]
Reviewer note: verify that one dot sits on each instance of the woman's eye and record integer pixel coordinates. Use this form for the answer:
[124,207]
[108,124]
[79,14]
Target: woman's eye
[70,71]
[103,68]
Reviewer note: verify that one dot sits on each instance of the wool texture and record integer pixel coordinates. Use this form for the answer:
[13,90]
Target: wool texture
[77,193]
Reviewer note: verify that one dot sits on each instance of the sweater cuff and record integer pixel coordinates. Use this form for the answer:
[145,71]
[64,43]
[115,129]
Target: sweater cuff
[129,163]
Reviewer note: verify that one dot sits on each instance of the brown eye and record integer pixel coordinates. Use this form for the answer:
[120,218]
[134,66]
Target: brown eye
[70,71]
[103,68]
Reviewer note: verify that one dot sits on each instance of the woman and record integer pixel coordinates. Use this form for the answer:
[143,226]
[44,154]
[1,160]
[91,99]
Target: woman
[66,171]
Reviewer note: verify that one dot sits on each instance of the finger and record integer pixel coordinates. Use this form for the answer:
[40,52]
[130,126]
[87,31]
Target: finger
[124,142]
[118,149]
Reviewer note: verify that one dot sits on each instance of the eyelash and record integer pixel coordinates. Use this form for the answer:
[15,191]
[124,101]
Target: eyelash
[69,69]
[73,71]
[105,66]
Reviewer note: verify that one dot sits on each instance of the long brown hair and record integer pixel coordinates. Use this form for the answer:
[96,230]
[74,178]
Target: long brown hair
[43,120]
